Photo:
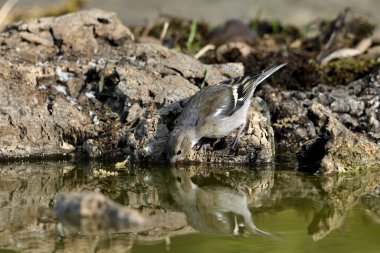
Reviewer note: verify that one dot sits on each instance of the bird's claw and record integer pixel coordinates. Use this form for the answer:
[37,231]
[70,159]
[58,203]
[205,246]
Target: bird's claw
[203,148]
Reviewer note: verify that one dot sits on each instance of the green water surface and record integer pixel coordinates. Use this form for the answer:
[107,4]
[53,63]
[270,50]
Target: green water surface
[193,209]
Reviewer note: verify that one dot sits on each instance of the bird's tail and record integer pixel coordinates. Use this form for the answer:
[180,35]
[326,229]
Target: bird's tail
[245,86]
[257,79]
[264,233]
[253,229]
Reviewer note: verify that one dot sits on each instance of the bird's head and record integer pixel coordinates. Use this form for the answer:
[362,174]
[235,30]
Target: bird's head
[180,142]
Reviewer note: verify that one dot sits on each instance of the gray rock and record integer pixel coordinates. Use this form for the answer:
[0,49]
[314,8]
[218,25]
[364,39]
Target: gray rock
[35,121]
[77,34]
[337,149]
[356,105]
[93,148]
[92,86]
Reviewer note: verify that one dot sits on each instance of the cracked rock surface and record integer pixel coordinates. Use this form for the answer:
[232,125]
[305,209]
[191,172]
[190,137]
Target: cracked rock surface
[337,149]
[356,106]
[80,80]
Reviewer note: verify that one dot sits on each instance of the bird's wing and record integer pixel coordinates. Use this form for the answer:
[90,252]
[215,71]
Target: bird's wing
[206,103]
[242,89]
[221,101]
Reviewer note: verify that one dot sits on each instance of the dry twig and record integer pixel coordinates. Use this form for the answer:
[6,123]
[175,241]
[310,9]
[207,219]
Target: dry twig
[5,10]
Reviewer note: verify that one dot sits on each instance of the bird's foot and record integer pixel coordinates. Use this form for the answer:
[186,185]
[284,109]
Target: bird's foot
[204,144]
[203,148]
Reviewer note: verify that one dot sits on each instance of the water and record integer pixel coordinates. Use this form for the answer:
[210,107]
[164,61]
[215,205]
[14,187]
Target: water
[193,209]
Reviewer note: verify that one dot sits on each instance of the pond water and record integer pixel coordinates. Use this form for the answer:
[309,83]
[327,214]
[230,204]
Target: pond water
[193,209]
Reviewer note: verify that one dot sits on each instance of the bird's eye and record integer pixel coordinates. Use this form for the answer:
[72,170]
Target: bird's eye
[179,152]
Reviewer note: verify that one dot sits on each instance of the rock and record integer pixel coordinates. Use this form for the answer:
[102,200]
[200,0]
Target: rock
[35,120]
[337,149]
[80,80]
[233,31]
[356,105]
[288,109]
[93,148]
[79,34]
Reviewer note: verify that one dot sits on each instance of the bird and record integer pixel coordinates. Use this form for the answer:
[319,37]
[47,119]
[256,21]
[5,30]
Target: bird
[214,112]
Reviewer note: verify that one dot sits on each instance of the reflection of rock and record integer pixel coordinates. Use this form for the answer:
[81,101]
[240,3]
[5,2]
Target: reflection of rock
[212,208]
[342,194]
[27,191]
[337,149]
[91,85]
[371,202]
[97,211]
[329,198]
[118,243]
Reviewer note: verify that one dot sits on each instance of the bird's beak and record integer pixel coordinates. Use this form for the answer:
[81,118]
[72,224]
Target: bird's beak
[173,160]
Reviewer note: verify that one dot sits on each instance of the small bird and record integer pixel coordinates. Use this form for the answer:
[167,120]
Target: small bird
[214,112]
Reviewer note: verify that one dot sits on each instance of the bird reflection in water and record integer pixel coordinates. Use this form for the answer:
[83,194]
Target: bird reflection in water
[212,207]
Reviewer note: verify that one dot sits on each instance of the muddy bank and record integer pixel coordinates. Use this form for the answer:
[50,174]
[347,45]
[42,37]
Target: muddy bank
[84,82]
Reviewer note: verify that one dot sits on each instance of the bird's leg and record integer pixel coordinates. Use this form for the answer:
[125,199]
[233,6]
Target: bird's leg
[236,141]
[220,144]
[204,147]
[203,144]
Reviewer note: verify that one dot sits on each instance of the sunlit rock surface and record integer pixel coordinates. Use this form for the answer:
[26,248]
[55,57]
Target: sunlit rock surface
[337,149]
[355,105]
[80,80]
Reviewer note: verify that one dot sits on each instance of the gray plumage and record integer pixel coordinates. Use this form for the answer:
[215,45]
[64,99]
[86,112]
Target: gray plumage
[214,112]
